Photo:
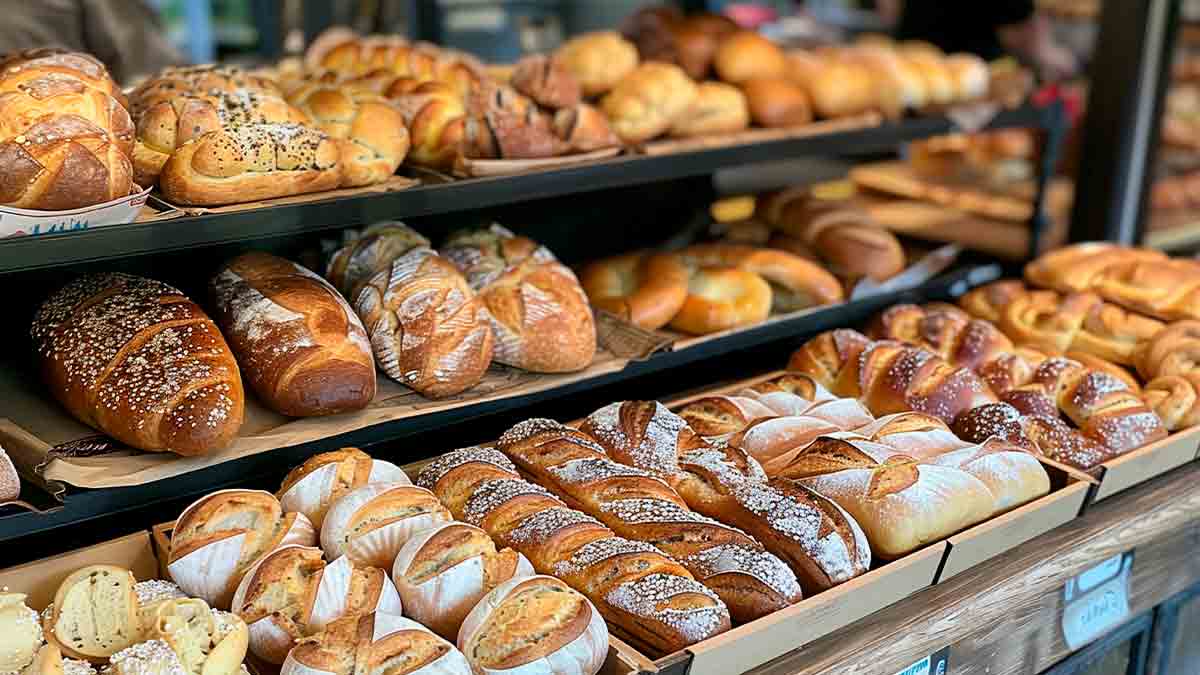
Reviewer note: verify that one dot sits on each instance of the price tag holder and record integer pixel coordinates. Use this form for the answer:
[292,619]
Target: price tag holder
[1097,600]
[937,663]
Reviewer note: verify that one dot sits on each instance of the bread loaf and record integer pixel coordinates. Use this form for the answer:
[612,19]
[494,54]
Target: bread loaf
[648,101]
[375,642]
[95,612]
[62,162]
[370,253]
[846,238]
[646,597]
[1050,436]
[369,132]
[645,289]
[539,313]
[321,480]
[435,115]
[717,109]
[19,67]
[534,625]
[547,81]
[428,329]
[720,415]
[139,361]
[219,536]
[443,572]
[205,79]
[599,61]
[301,347]
[370,524]
[584,128]
[642,507]
[1014,477]
[27,101]
[291,593]
[914,434]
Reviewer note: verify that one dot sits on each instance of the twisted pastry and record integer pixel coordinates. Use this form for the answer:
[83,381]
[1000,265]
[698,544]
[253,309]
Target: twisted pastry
[1175,399]
[1173,351]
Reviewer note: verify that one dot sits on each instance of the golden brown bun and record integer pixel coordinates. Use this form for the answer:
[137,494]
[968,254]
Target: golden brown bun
[369,132]
[546,81]
[139,361]
[645,289]
[720,298]
[837,85]
[648,101]
[745,55]
[435,115]
[718,109]
[250,163]
[300,346]
[599,61]
[28,103]
[19,67]
[584,128]
[443,347]
[777,102]
[795,283]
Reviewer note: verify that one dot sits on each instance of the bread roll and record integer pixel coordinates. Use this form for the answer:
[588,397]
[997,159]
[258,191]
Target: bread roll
[720,415]
[26,101]
[20,633]
[369,132]
[291,593]
[370,524]
[428,329]
[153,656]
[645,289]
[720,298]
[795,283]
[95,612]
[301,347]
[717,109]
[777,102]
[49,661]
[435,115]
[443,572]
[584,128]
[1013,476]
[321,480]
[539,313]
[372,252]
[536,625]
[219,536]
[745,55]
[648,101]
[970,74]
[385,642]
[837,86]
[547,81]
[139,361]
[599,61]
[207,641]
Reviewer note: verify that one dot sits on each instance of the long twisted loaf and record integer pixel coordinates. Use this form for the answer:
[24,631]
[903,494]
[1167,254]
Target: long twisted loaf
[640,506]
[648,599]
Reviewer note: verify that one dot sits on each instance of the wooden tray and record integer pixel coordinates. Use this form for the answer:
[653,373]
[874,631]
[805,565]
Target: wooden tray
[479,168]
[1140,465]
[749,136]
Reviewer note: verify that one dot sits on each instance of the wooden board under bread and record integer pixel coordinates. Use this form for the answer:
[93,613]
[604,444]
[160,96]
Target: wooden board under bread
[751,136]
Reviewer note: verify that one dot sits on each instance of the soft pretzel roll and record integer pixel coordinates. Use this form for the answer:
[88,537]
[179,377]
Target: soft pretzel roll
[1114,334]
[647,598]
[62,162]
[220,536]
[139,361]
[773,440]
[1050,436]
[1104,365]
[745,55]
[648,101]
[599,61]
[540,315]
[640,506]
[25,104]
[892,377]
[834,452]
[944,330]
[1175,350]
[1165,289]
[375,643]
[796,283]
[534,626]
[1175,399]
[831,359]
[22,66]
[988,301]
[443,572]
[370,524]
[721,415]
[249,163]
[435,116]
[914,434]
[205,80]
[370,253]
[440,346]
[645,289]
[301,347]
[291,593]
[321,480]
[903,506]
[1045,319]
[720,298]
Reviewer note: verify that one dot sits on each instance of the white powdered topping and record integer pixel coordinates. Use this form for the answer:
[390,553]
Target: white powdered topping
[255,316]
[735,558]
[589,469]
[439,467]
[541,526]
[77,667]
[654,511]
[153,657]
[154,590]
[802,523]
[225,623]
[658,448]
[650,598]
[715,462]
[600,550]
[493,493]
[531,427]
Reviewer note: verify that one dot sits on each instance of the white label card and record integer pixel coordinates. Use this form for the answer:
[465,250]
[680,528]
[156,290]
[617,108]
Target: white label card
[1096,601]
[937,663]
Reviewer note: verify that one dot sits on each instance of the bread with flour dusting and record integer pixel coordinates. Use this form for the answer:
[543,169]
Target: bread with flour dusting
[643,507]
[540,314]
[139,361]
[301,347]
[428,329]
[649,600]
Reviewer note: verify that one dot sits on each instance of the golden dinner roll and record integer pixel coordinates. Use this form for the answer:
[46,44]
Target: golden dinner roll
[720,298]
[719,108]
[647,102]
[599,61]
[747,54]
[777,102]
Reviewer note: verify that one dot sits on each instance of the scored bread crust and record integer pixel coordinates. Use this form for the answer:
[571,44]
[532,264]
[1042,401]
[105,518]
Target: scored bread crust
[322,479]
[376,642]
[370,524]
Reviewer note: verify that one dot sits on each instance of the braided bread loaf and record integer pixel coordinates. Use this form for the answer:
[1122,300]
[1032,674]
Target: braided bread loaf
[22,66]
[204,80]
[639,506]
[539,313]
[428,329]
[435,115]
[370,133]
[648,599]
[250,162]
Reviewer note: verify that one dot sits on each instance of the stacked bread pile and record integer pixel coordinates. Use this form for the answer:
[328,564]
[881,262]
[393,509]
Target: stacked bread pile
[706,288]
[211,135]
[393,577]
[102,619]
[453,108]
[65,134]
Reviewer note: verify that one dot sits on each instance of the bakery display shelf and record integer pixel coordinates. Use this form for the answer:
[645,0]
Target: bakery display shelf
[1173,232]
[81,505]
[307,215]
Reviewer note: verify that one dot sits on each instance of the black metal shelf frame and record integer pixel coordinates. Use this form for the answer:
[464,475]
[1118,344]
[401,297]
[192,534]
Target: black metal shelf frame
[120,241]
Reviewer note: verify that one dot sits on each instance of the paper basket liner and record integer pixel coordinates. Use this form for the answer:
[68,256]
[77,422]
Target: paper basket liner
[27,222]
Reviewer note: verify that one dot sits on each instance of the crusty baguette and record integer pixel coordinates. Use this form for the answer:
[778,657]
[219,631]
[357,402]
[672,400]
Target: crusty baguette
[648,599]
[301,347]
[139,361]
[640,506]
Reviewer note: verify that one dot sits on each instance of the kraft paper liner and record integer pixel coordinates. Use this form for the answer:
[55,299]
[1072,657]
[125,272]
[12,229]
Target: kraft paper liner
[159,208]
[483,168]
[751,136]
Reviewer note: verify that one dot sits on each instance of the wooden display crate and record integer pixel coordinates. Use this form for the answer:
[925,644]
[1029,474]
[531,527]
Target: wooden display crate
[1155,459]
